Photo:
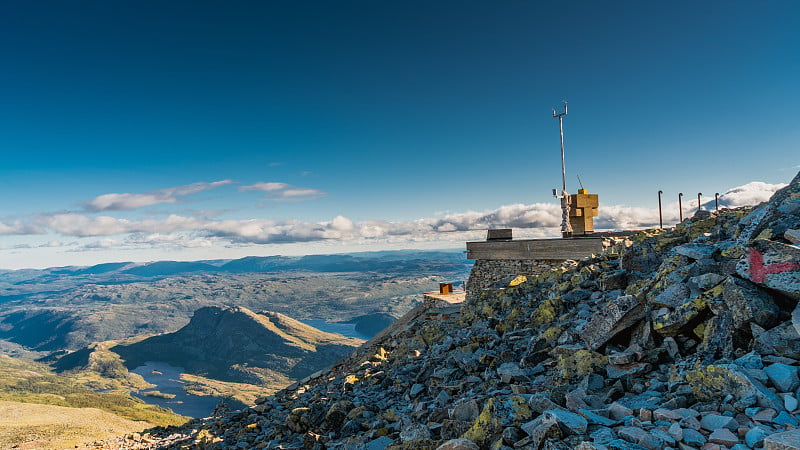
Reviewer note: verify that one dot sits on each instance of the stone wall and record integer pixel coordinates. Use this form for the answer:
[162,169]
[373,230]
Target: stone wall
[487,272]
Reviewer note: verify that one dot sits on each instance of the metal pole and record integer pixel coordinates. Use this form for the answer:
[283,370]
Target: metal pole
[566,228]
[699,194]
[680,208]
[660,221]
[716,201]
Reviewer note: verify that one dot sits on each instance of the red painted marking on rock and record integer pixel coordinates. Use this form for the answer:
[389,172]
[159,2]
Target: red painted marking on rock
[759,271]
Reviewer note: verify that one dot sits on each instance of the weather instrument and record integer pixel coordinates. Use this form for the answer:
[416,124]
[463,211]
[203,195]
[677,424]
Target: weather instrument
[566,228]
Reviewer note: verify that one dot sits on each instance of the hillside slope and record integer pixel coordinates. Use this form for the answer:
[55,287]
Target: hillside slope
[236,344]
[685,339]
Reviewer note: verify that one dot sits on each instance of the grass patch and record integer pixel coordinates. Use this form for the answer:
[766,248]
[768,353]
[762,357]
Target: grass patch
[29,382]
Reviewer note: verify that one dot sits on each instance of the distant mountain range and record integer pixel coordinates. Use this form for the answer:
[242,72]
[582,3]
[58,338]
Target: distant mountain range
[16,284]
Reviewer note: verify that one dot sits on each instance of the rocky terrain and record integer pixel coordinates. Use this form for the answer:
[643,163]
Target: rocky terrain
[682,339]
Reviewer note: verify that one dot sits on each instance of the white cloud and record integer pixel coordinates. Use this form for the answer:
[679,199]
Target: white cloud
[127,201]
[264,186]
[278,191]
[294,193]
[749,194]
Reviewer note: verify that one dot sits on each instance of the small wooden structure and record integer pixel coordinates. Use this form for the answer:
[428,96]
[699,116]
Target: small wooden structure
[583,210]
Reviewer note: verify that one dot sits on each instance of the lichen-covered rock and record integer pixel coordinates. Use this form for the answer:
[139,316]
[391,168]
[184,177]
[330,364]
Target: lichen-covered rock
[716,381]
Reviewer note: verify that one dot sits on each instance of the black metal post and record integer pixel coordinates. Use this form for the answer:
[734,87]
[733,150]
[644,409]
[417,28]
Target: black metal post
[699,194]
[680,207]
[716,201]
[660,221]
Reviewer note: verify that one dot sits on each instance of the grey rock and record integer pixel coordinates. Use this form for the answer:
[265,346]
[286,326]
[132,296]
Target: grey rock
[465,411]
[755,437]
[788,440]
[569,422]
[380,444]
[675,431]
[781,340]
[602,435]
[619,411]
[415,432]
[610,281]
[597,419]
[778,215]
[664,436]
[458,444]
[619,444]
[792,236]
[747,303]
[713,422]
[510,371]
[614,372]
[640,437]
[693,438]
[672,296]
[696,251]
[723,436]
[612,318]
[416,390]
[784,418]
[706,281]
[796,319]
[790,402]
[783,377]
[751,360]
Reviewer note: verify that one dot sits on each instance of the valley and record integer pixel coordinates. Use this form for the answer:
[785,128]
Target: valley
[186,335]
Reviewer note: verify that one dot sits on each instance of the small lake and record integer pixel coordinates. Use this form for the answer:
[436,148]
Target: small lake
[167,379]
[345,329]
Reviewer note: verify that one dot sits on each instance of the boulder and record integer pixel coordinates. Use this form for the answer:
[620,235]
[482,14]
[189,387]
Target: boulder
[747,303]
[783,377]
[776,216]
[569,422]
[772,265]
[458,444]
[718,381]
[612,318]
[696,251]
[783,340]
[789,440]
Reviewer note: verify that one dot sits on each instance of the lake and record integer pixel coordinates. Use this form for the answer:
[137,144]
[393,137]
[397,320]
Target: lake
[345,329]
[167,379]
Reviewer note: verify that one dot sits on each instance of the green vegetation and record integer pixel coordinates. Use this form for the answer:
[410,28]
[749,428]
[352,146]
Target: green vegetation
[29,382]
[243,392]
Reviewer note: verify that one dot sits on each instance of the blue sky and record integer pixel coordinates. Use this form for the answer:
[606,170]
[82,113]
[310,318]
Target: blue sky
[236,128]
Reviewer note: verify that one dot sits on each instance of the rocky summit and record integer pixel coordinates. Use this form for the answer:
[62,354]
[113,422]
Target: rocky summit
[681,339]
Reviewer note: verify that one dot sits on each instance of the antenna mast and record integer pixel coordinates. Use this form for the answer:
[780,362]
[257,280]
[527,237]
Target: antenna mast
[566,228]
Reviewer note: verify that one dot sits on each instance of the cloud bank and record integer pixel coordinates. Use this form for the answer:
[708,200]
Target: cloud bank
[193,231]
